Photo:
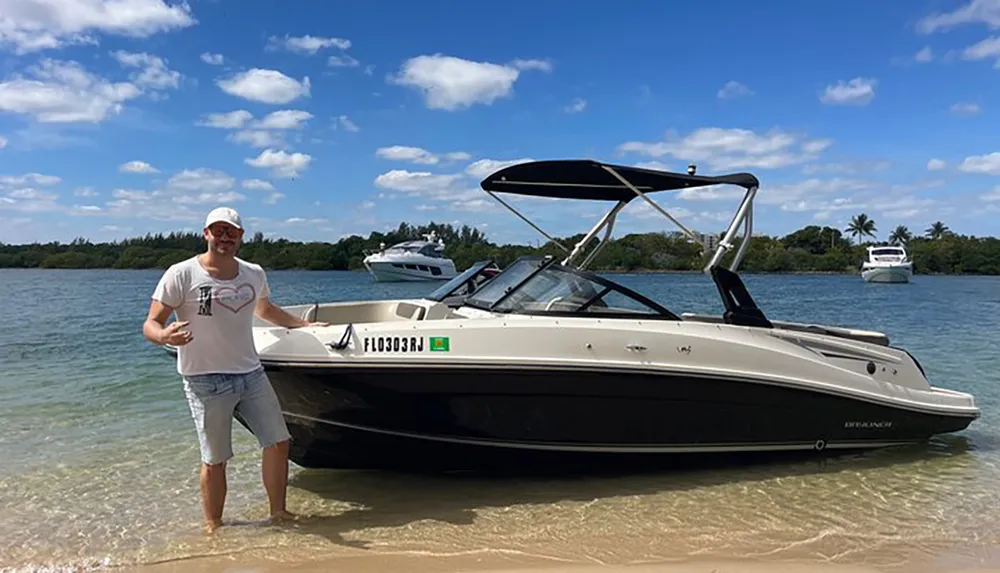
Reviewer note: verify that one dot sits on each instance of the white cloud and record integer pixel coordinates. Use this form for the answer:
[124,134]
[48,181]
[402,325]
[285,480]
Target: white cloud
[202,179]
[966,109]
[539,65]
[416,182]
[281,163]
[986,164]
[984,50]
[343,61]
[3,142]
[154,72]
[482,168]
[284,119]
[64,92]
[924,55]
[367,205]
[230,120]
[993,195]
[33,178]
[137,167]
[936,165]
[858,91]
[306,44]
[84,192]
[30,193]
[576,106]
[733,89]
[266,86]
[212,59]
[973,12]
[273,198]
[209,197]
[34,25]
[346,124]
[451,83]
[731,149]
[257,185]
[418,155]
[257,138]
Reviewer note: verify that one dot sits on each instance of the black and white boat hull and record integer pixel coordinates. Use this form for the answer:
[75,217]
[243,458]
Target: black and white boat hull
[462,417]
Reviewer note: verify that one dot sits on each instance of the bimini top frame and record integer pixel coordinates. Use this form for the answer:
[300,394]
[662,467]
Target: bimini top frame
[593,180]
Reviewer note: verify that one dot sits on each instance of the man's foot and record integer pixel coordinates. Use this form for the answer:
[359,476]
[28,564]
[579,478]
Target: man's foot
[283,515]
[212,526]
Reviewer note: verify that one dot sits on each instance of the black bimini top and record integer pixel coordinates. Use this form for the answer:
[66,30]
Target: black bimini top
[587,179]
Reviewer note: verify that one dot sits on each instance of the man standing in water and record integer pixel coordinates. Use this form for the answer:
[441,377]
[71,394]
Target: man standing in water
[215,296]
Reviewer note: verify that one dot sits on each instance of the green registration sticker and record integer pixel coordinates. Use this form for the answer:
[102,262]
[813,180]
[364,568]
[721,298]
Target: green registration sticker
[440,344]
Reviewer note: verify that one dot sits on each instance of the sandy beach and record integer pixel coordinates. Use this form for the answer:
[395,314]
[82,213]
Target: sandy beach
[490,562]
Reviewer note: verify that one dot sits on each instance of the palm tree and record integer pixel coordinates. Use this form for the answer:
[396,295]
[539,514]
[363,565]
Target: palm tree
[938,230]
[861,226]
[900,236]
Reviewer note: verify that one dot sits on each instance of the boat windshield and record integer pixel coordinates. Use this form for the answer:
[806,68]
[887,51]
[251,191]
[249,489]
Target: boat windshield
[509,279]
[890,251]
[467,282]
[538,286]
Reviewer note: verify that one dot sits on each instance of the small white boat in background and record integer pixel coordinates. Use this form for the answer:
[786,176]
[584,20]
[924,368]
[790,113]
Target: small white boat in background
[411,261]
[887,264]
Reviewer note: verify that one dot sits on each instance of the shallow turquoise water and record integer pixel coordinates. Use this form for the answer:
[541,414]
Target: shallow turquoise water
[98,456]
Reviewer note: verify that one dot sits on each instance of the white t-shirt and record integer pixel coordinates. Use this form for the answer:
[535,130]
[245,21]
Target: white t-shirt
[220,315]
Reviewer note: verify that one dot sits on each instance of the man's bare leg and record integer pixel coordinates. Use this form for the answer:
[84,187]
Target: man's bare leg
[213,494]
[274,470]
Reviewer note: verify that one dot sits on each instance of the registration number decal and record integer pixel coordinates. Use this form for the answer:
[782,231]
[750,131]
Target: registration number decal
[407,344]
[394,344]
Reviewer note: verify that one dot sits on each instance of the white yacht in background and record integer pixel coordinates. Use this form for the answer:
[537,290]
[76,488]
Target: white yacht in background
[887,264]
[411,261]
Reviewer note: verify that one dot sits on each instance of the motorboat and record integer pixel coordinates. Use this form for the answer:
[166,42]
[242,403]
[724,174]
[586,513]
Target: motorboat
[547,363]
[411,261]
[887,264]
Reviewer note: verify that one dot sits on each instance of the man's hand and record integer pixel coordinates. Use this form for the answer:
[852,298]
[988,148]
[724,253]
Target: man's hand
[314,324]
[174,335]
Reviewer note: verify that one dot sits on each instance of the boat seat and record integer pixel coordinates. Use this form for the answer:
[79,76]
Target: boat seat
[410,311]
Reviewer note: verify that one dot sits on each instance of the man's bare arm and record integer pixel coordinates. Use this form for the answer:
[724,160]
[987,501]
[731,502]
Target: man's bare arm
[277,315]
[154,331]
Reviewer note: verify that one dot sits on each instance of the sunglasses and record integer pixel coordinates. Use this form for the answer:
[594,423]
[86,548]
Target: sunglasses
[219,230]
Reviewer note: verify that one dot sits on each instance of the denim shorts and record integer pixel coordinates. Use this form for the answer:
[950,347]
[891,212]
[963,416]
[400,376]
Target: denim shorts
[214,398]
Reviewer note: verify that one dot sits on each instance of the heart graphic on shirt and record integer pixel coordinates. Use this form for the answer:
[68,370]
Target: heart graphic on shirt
[235,299]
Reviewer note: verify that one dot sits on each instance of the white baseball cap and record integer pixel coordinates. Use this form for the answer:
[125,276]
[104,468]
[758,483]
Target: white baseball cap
[224,215]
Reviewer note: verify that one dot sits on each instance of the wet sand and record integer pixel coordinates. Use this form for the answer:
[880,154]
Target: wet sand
[489,562]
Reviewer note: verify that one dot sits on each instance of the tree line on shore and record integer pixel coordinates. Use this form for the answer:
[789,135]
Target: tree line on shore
[810,249]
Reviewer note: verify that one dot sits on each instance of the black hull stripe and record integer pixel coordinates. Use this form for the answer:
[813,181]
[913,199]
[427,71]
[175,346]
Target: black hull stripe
[620,449]
[911,407]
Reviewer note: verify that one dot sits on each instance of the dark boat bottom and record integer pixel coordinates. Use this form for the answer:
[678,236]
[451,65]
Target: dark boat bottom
[324,446]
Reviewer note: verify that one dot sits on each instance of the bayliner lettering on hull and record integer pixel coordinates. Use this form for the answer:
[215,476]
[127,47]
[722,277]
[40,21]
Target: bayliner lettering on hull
[868,425]
[394,344]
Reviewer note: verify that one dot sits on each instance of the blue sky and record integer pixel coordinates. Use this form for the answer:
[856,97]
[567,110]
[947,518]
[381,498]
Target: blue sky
[321,119]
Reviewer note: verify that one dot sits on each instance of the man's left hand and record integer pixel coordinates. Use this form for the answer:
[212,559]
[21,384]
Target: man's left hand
[315,324]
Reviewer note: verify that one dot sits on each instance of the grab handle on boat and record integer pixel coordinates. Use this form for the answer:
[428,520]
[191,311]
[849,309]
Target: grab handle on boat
[344,340]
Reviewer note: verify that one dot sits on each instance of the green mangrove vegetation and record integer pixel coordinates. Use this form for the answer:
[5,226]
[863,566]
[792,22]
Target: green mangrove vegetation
[936,250]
